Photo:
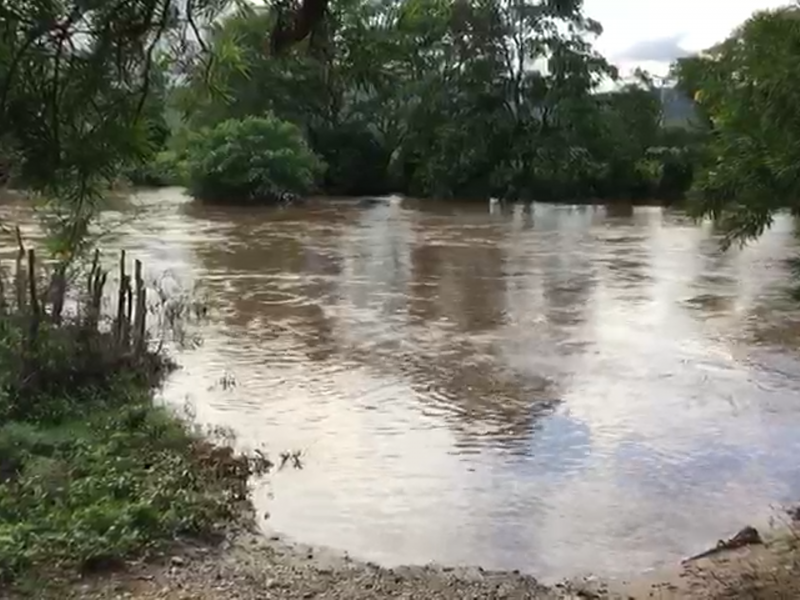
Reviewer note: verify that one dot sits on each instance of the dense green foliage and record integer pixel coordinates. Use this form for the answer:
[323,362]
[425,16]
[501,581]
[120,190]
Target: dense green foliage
[91,473]
[82,89]
[431,98]
[167,167]
[251,160]
[748,94]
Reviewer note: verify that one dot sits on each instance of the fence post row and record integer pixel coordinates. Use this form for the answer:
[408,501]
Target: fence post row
[129,326]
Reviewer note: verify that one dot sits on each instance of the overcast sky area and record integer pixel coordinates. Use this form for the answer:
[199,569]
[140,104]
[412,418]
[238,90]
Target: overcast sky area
[652,33]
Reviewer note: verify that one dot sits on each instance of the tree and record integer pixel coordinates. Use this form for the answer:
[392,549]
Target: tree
[627,128]
[748,88]
[297,22]
[77,82]
[438,98]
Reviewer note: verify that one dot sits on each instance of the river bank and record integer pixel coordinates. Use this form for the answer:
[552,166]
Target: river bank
[250,565]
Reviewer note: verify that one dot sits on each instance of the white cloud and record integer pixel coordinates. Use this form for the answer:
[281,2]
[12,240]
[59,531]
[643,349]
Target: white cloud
[635,31]
[664,49]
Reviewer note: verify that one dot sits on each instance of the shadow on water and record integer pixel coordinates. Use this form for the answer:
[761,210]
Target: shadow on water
[552,388]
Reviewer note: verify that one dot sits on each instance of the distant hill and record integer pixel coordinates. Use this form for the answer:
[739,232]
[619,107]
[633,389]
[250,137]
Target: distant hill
[678,110]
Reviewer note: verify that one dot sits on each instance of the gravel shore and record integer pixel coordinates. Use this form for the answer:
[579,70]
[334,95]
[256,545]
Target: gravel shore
[254,567]
[249,565]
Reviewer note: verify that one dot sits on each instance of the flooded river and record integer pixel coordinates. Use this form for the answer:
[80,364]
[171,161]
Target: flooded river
[568,390]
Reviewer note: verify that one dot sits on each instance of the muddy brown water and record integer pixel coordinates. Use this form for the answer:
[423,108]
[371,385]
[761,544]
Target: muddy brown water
[562,390]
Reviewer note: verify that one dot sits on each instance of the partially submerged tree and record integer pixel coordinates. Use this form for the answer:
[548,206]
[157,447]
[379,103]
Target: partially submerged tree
[464,98]
[253,160]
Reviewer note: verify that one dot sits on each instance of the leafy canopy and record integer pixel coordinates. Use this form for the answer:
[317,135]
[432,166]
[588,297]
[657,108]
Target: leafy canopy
[748,89]
[79,83]
[450,99]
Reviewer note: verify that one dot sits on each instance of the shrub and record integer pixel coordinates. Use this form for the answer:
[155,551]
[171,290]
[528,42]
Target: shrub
[253,160]
[165,169]
[50,380]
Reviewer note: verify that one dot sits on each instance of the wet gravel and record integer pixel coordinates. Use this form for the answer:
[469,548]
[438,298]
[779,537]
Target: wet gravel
[251,566]
[255,567]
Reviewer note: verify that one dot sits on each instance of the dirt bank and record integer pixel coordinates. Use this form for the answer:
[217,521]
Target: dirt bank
[252,566]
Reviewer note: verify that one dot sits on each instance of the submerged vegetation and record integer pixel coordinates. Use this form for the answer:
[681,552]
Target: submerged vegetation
[428,98]
[424,97]
[471,100]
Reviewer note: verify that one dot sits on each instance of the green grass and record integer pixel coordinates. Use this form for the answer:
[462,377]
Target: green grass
[91,472]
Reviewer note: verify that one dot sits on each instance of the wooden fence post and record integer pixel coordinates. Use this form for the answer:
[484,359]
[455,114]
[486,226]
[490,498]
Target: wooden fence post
[2,294]
[120,323]
[139,321]
[34,296]
[19,277]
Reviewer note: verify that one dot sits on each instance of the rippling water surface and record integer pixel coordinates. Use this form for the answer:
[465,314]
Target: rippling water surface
[564,390]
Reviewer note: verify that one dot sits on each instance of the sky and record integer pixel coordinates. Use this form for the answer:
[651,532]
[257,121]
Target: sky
[652,33]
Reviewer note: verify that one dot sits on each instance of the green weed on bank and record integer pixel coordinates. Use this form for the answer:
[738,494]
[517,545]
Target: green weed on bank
[92,473]
[115,482]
